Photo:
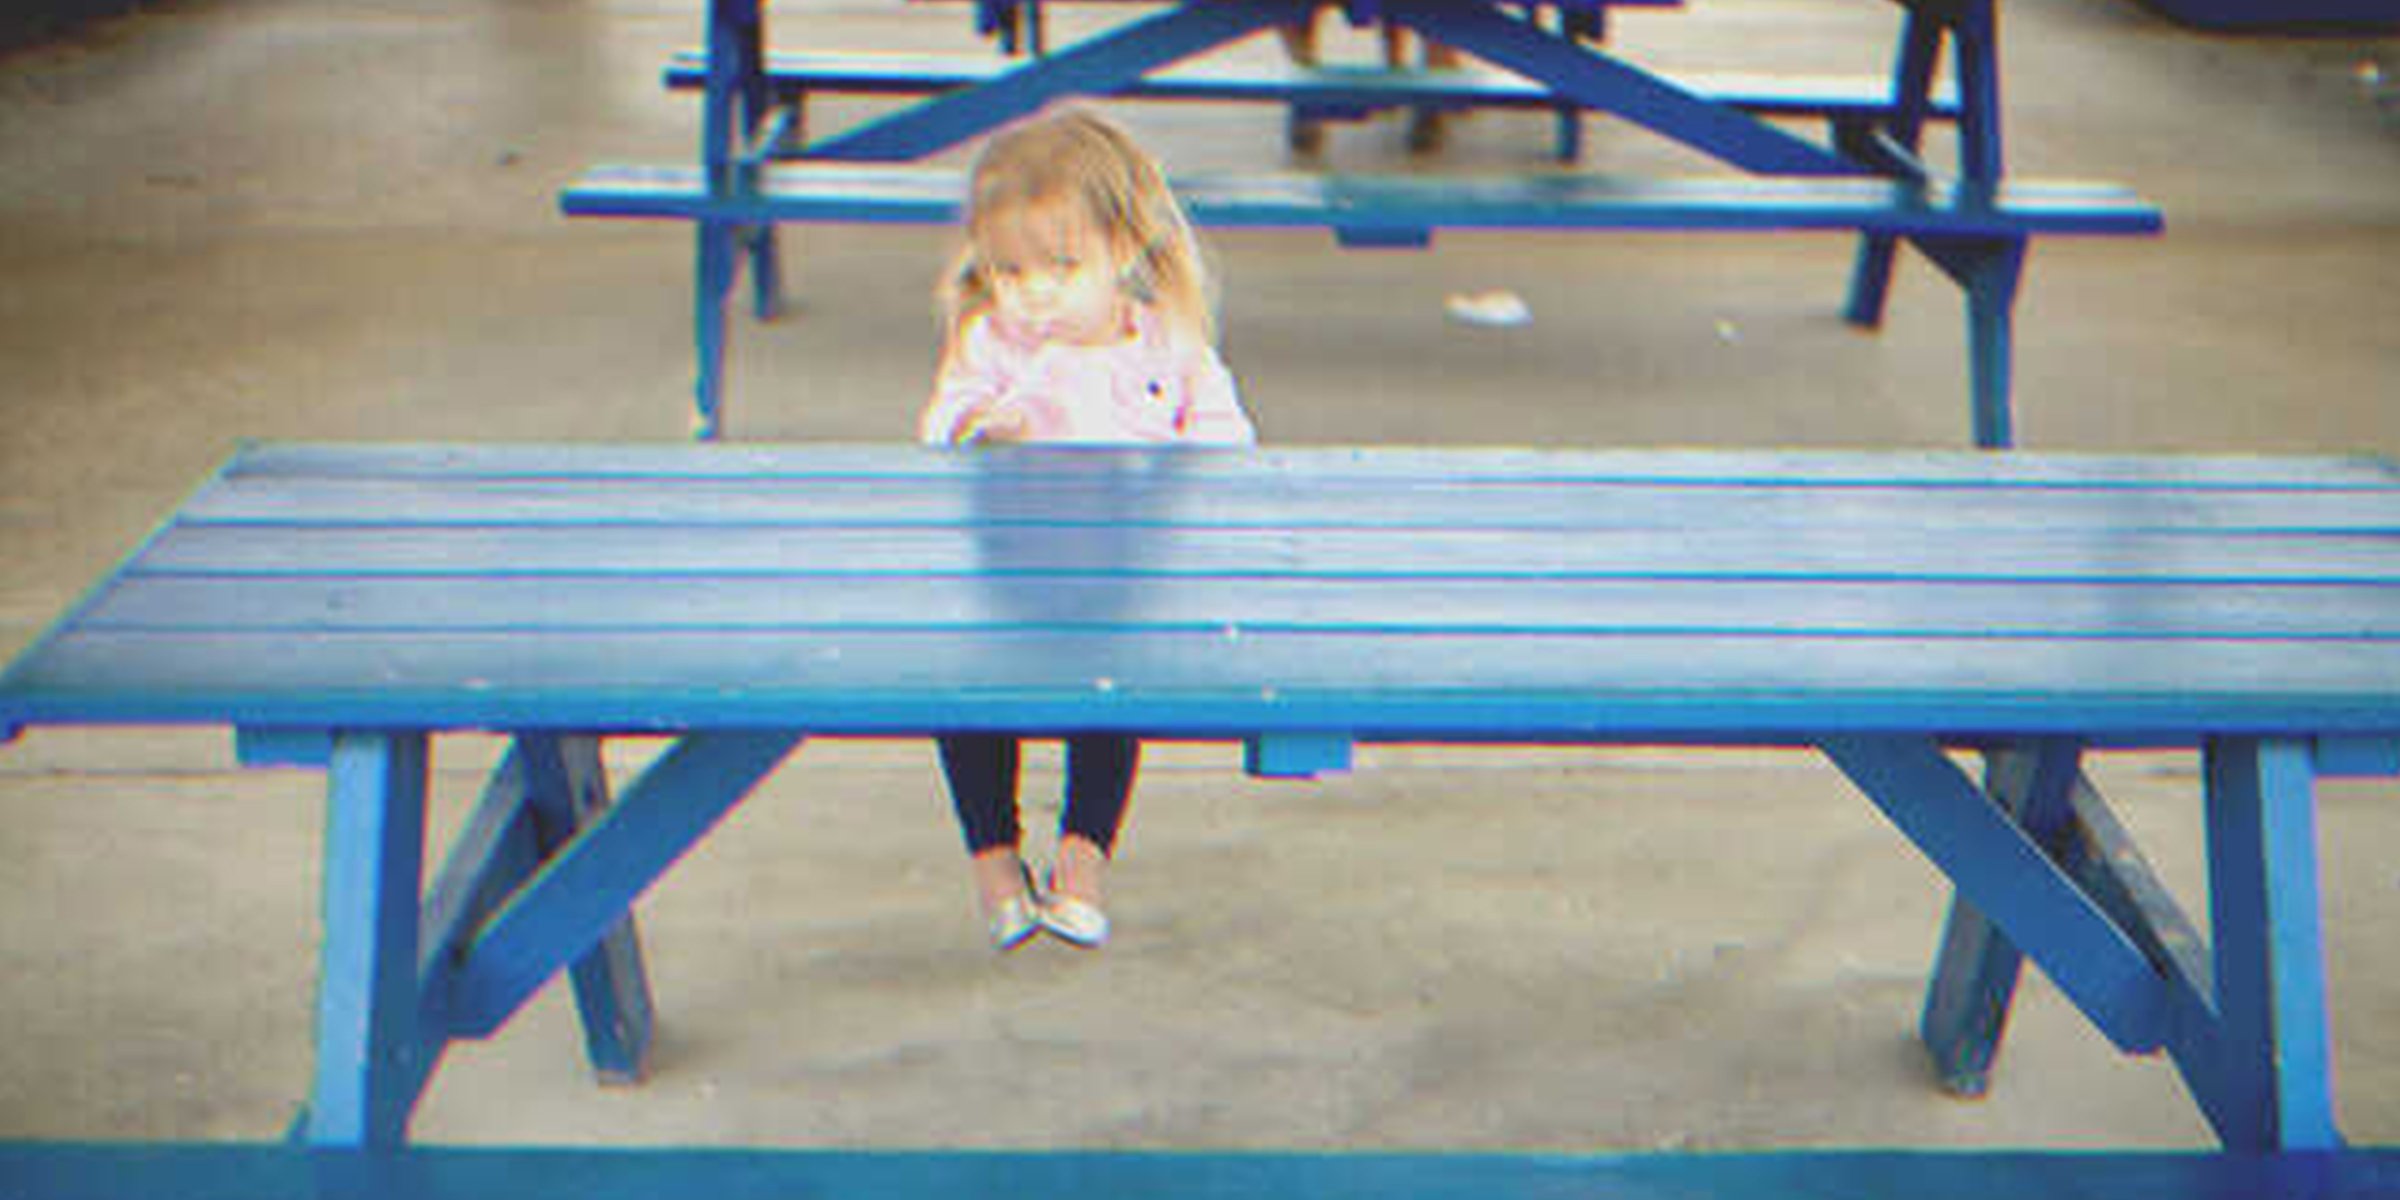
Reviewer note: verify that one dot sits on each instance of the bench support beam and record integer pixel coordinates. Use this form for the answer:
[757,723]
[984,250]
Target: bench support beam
[545,792]
[1975,980]
[1975,976]
[2269,1089]
[585,889]
[1971,26]
[1920,53]
[1098,66]
[2008,877]
[542,877]
[2242,1014]
[1584,76]
[569,791]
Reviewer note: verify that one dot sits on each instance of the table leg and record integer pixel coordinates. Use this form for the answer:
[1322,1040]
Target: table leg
[2243,1017]
[1991,282]
[756,101]
[1912,91]
[1975,977]
[1989,271]
[564,914]
[567,791]
[713,273]
[734,102]
[1975,36]
[1590,27]
[369,1048]
[2007,875]
[2274,1089]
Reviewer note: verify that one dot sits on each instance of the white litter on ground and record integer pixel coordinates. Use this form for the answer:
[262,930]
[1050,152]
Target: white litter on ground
[1497,308]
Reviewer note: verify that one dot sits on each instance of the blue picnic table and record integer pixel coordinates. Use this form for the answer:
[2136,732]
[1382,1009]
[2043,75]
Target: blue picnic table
[341,606]
[759,164]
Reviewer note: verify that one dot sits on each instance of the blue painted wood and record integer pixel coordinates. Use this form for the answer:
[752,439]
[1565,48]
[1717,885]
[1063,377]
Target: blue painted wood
[888,599]
[1297,755]
[733,555]
[489,859]
[1987,269]
[370,1053]
[587,888]
[2350,756]
[1159,495]
[1975,973]
[875,590]
[1975,35]
[1496,687]
[1921,36]
[1977,235]
[139,1171]
[492,855]
[2269,16]
[542,792]
[1099,65]
[2270,952]
[1322,596]
[612,987]
[714,268]
[2010,880]
[1369,204]
[1563,61]
[1359,89]
[1593,79]
[734,100]
[1413,466]
[256,747]
[2092,847]
[2110,866]
[1968,1001]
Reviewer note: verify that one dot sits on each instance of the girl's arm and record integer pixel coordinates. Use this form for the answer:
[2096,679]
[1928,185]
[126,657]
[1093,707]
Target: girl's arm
[1212,409]
[972,379]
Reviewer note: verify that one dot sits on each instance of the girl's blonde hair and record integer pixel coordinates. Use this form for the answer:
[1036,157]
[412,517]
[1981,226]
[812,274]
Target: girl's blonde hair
[1077,165]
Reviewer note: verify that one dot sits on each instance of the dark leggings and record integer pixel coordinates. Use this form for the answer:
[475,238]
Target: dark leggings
[982,768]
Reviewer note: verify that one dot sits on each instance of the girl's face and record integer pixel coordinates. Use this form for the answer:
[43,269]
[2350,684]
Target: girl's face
[1055,276]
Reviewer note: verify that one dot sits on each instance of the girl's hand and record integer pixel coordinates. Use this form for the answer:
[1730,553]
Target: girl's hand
[997,422]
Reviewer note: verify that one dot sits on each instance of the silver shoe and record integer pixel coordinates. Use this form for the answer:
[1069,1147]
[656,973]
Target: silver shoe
[1015,922]
[1075,922]
[1018,918]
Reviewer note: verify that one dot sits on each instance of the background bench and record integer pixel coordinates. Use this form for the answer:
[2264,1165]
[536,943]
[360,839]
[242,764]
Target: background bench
[1973,228]
[1978,240]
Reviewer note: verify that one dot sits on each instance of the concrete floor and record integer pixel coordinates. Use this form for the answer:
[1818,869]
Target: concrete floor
[281,219]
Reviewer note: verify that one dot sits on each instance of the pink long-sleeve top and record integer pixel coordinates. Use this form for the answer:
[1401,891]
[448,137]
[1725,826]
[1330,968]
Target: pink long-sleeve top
[1154,386]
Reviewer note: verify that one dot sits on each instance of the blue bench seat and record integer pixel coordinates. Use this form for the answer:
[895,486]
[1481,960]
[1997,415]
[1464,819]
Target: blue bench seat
[136,1171]
[1404,209]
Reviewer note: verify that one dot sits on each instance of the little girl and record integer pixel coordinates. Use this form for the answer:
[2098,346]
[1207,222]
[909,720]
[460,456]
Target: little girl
[1077,313]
